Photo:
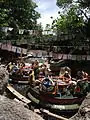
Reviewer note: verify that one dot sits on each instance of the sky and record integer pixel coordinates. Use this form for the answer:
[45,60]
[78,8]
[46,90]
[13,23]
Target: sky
[47,8]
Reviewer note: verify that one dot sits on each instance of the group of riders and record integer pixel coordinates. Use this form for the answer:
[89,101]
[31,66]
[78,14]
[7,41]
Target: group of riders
[40,70]
[65,74]
[37,72]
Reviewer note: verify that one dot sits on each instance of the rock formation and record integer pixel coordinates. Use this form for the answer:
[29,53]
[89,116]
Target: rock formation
[10,109]
[84,110]
[3,79]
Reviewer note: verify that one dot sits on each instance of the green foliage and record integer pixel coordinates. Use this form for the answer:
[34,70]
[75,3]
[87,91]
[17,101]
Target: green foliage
[73,19]
[20,14]
[3,17]
[84,3]
[63,3]
[70,20]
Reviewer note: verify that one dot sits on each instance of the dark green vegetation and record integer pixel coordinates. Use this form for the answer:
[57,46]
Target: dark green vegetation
[17,14]
[73,22]
[72,25]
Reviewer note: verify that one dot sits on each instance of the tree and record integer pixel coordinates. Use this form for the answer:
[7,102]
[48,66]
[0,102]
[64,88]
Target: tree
[72,20]
[82,6]
[85,3]
[21,14]
[38,34]
[18,14]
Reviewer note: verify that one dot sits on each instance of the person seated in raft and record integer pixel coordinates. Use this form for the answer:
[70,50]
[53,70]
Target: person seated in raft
[82,75]
[66,77]
[31,77]
[65,72]
[85,75]
[63,69]
[45,70]
[14,69]
[47,85]
[41,72]
[20,69]
[35,67]
[9,67]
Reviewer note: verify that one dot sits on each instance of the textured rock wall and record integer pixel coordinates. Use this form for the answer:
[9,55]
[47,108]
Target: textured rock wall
[3,79]
[84,110]
[10,109]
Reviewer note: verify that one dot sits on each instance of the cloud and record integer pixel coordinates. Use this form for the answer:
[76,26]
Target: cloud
[47,8]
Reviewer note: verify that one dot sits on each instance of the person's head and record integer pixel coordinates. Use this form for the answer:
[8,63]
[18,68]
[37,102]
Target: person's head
[66,72]
[13,63]
[36,62]
[80,73]
[41,73]
[40,64]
